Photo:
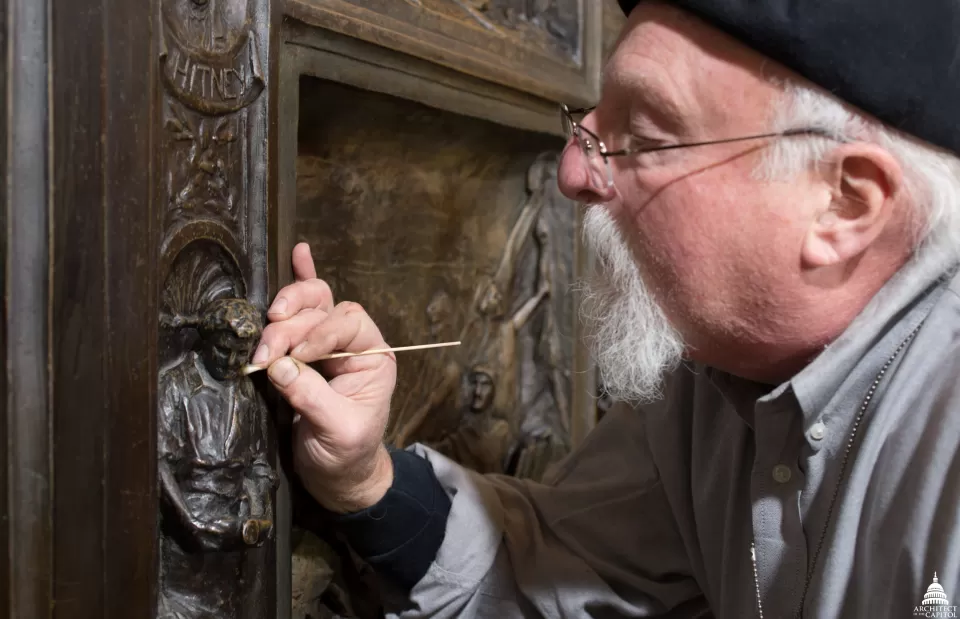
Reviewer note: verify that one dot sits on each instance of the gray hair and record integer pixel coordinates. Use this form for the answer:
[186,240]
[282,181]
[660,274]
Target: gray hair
[931,175]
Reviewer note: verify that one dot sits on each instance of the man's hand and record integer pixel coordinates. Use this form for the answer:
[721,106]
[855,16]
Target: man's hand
[342,414]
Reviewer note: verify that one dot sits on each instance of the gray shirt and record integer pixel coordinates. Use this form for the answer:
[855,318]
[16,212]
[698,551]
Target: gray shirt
[835,492]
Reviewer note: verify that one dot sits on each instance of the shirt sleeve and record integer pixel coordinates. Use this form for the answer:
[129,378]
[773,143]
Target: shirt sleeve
[400,535]
[597,539]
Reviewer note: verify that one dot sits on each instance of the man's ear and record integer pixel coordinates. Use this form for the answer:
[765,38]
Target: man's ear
[864,181]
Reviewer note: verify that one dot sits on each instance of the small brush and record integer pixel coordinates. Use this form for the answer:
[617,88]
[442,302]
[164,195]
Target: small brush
[250,369]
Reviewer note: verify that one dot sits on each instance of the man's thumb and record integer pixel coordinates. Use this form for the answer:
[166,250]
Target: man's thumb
[300,385]
[283,372]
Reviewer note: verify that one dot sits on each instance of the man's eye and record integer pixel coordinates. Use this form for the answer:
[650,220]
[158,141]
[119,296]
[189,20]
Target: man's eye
[643,141]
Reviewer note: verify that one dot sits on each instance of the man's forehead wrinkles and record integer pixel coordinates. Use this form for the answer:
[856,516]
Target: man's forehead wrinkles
[638,84]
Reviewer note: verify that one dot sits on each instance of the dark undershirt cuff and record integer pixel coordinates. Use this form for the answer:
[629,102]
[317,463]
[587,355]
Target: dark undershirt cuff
[399,537]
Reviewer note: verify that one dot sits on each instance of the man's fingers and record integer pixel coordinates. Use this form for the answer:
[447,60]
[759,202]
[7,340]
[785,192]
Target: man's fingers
[303,267]
[312,334]
[348,328]
[309,294]
[279,337]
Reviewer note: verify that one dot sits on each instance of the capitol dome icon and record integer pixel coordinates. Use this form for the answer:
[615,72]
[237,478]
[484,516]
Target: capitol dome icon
[935,595]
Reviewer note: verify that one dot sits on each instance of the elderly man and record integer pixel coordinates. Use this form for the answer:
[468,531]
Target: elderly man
[774,196]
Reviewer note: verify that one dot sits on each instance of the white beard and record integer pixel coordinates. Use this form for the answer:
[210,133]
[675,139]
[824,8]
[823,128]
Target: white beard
[632,341]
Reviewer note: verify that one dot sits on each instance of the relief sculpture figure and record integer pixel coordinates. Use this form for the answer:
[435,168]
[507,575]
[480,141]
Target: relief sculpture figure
[482,438]
[216,482]
[487,384]
[539,178]
[216,475]
[488,426]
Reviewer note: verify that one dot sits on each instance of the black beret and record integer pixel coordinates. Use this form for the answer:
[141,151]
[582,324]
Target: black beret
[898,60]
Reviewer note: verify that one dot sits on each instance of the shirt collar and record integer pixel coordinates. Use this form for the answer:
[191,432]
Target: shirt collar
[899,302]
[898,306]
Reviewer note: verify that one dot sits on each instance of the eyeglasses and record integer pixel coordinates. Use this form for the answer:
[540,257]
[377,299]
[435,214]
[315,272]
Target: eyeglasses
[597,155]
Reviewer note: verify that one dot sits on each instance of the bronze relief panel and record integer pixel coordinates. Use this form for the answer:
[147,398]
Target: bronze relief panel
[217,481]
[548,48]
[448,228]
[216,447]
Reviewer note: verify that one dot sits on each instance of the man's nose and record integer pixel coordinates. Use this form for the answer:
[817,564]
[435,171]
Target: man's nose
[574,178]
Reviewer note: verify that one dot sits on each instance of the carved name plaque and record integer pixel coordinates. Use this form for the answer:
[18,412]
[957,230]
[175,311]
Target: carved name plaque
[216,449]
[210,57]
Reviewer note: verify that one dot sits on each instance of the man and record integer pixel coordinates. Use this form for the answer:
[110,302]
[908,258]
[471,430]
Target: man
[776,206]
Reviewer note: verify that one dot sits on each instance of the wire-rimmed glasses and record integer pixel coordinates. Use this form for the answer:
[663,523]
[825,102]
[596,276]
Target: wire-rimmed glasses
[597,155]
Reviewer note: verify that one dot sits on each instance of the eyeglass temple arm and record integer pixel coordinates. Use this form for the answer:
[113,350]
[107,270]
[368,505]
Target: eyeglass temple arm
[781,134]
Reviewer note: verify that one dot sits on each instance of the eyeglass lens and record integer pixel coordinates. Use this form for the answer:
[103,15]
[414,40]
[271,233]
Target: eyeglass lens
[598,169]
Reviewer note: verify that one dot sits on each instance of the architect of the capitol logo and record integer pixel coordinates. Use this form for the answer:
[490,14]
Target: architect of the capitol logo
[935,603]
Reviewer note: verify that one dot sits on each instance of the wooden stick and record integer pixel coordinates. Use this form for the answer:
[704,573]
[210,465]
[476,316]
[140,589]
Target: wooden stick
[250,369]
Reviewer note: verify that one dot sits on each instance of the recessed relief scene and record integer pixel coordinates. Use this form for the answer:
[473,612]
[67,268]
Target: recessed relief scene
[217,480]
[447,228]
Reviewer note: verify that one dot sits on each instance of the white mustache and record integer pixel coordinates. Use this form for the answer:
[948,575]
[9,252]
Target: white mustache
[633,342]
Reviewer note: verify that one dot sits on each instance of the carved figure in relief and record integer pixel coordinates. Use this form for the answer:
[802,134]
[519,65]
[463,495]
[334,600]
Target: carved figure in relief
[482,439]
[487,386]
[486,433]
[217,483]
[536,444]
[216,480]
[539,441]
[540,175]
[200,182]
[488,330]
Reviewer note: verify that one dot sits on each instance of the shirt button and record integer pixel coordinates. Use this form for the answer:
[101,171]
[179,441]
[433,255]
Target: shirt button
[817,431]
[781,473]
